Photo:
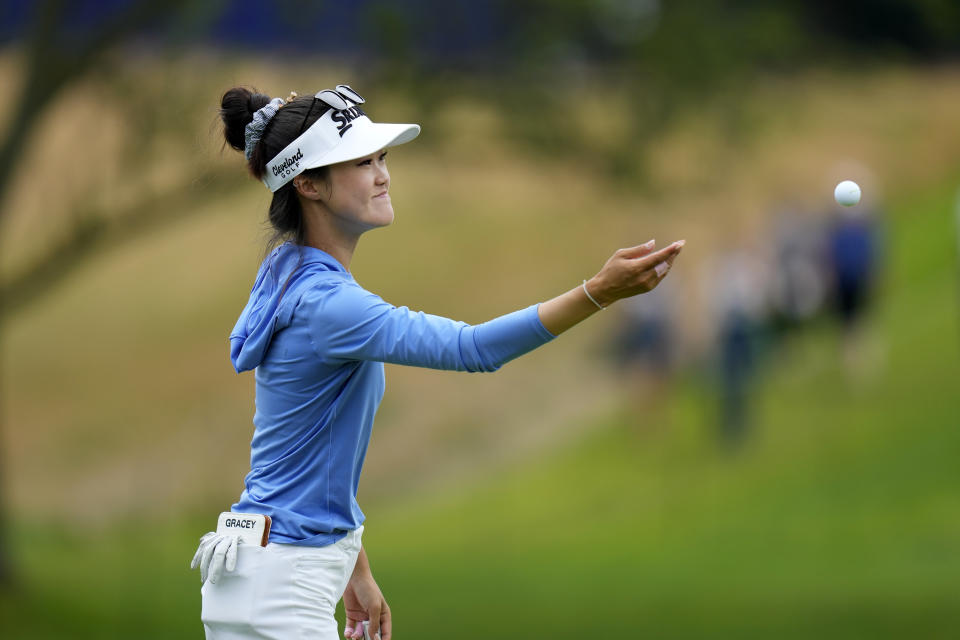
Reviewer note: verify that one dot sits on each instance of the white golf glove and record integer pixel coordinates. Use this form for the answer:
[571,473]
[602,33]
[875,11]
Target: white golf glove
[217,551]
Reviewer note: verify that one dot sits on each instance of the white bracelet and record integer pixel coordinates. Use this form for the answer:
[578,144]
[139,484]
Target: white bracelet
[599,306]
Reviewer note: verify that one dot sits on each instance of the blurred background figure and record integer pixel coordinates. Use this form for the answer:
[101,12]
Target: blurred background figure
[853,259]
[645,350]
[740,305]
[800,286]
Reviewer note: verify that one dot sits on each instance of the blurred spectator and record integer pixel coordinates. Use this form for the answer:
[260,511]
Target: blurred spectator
[800,285]
[853,260]
[741,311]
[645,346]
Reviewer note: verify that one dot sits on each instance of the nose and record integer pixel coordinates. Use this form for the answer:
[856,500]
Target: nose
[382,176]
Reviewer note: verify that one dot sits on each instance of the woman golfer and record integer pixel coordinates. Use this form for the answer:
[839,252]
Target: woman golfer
[290,548]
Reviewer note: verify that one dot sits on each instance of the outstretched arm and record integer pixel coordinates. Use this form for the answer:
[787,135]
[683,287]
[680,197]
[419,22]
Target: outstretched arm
[627,273]
[349,323]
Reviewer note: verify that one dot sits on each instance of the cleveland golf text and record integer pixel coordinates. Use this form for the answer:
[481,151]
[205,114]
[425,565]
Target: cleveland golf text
[288,163]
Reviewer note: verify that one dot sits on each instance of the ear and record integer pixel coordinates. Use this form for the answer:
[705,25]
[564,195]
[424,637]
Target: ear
[308,188]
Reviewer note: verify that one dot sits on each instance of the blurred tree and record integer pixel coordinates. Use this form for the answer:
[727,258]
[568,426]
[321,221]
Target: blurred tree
[58,49]
[62,45]
[536,61]
[55,56]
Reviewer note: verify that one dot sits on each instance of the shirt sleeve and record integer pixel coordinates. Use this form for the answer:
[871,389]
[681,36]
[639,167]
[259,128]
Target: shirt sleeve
[349,323]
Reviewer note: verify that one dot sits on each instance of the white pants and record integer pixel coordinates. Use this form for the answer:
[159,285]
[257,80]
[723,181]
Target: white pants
[280,591]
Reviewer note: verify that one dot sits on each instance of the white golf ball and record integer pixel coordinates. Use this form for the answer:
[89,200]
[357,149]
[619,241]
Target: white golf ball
[847,193]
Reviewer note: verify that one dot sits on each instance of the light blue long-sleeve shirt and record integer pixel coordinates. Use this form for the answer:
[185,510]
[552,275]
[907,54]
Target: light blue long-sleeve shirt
[318,341]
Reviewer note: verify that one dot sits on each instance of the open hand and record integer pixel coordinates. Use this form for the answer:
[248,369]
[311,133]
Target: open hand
[633,271]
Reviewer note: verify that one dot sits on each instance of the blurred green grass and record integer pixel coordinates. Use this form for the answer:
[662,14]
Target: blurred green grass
[840,519]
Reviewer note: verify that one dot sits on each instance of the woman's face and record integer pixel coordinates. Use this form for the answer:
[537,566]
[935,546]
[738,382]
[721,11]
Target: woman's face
[357,195]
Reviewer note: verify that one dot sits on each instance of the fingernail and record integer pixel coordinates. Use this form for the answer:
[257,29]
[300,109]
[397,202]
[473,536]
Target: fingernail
[680,243]
[649,243]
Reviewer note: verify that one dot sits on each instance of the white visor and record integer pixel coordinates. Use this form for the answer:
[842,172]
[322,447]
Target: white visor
[337,136]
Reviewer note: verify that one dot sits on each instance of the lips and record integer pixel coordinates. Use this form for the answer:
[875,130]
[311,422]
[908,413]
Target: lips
[382,195]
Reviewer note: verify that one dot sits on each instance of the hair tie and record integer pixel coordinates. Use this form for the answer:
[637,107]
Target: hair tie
[261,118]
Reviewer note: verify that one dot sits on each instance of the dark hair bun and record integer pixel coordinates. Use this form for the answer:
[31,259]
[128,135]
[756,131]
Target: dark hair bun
[236,110]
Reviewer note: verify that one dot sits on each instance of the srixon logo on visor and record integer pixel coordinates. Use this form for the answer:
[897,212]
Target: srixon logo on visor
[345,117]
